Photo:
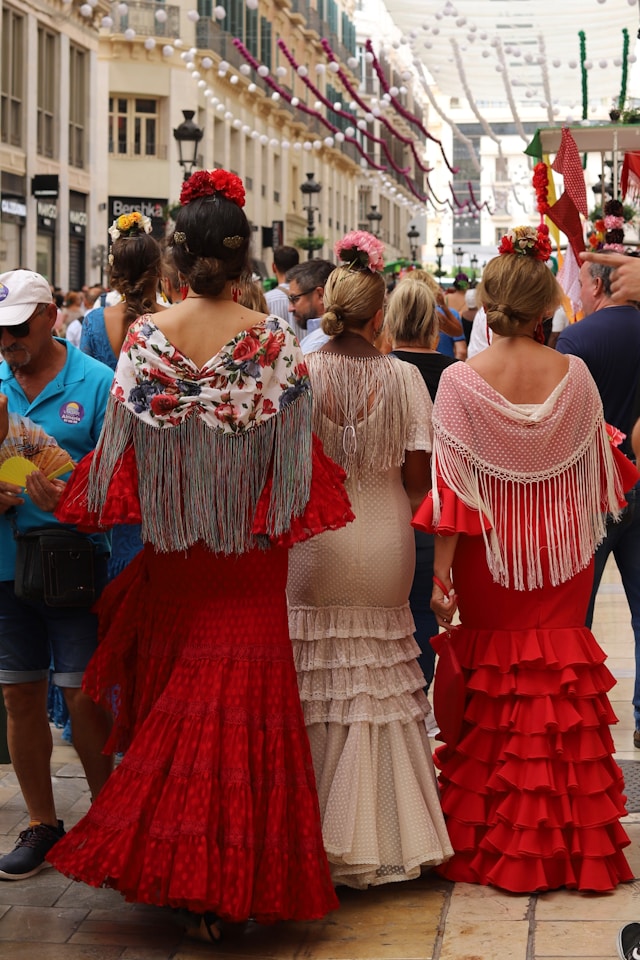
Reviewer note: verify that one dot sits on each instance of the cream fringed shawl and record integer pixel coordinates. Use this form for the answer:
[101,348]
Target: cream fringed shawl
[368,410]
[207,439]
[543,476]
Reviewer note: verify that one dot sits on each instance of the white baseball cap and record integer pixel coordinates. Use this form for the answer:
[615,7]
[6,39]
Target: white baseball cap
[20,293]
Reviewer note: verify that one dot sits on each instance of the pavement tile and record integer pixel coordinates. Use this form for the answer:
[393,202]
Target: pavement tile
[485,940]
[576,939]
[39,926]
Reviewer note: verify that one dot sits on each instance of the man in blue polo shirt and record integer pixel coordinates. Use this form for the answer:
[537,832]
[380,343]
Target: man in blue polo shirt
[64,392]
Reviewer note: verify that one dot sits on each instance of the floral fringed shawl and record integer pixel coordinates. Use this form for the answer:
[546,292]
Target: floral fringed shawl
[543,475]
[207,439]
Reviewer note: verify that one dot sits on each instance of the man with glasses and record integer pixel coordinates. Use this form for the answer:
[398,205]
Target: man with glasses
[306,304]
[65,392]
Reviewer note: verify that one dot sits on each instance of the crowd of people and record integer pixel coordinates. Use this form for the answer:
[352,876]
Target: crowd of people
[283,500]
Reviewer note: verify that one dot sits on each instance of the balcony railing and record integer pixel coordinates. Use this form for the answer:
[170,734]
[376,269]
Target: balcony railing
[141,17]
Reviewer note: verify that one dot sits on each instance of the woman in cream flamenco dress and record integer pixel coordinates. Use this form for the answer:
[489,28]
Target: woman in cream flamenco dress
[349,617]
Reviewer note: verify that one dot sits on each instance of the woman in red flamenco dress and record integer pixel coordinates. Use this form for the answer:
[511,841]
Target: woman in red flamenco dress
[524,474]
[207,441]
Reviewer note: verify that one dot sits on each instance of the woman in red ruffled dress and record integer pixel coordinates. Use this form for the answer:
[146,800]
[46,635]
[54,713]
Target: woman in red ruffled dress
[207,441]
[524,474]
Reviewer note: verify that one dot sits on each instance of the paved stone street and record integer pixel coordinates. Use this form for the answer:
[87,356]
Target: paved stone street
[49,917]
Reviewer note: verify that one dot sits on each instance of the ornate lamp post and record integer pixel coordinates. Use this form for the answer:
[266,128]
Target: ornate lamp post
[188,135]
[374,217]
[413,235]
[308,189]
[439,252]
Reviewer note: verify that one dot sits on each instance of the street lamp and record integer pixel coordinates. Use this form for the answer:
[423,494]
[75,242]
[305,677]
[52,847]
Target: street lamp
[188,135]
[413,235]
[374,217]
[459,255]
[439,252]
[308,188]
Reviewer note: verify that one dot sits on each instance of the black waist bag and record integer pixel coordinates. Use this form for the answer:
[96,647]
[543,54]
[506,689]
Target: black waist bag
[55,566]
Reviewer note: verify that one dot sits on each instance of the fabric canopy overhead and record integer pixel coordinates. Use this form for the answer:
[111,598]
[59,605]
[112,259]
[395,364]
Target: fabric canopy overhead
[525,53]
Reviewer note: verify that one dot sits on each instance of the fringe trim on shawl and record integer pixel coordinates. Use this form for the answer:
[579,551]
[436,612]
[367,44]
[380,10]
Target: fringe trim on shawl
[361,409]
[201,484]
[566,508]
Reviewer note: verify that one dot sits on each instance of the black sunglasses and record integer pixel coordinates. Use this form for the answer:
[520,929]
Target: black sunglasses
[294,297]
[21,330]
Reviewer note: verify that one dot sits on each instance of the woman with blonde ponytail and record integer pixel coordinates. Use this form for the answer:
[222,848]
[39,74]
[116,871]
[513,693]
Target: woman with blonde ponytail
[348,590]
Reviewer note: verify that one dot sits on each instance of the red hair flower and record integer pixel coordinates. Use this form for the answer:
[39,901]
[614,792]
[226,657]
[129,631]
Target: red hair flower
[528,242]
[205,183]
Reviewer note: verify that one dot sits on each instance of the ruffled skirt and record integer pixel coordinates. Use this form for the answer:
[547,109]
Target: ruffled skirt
[214,804]
[362,692]
[531,792]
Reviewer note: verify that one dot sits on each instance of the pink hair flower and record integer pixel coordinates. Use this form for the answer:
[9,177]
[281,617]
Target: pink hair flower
[361,250]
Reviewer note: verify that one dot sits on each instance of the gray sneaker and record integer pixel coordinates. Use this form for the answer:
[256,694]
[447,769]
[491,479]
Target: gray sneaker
[629,942]
[28,856]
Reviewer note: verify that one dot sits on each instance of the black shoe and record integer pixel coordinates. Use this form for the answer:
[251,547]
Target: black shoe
[27,857]
[629,939]
[636,739]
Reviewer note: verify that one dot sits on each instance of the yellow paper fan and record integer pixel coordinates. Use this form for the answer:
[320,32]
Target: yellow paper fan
[16,470]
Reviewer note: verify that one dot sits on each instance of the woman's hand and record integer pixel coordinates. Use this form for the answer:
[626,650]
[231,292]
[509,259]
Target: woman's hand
[444,601]
[9,496]
[44,493]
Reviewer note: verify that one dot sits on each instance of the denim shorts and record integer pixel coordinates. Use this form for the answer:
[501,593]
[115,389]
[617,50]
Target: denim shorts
[35,638]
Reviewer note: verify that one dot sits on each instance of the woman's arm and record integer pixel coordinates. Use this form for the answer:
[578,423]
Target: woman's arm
[444,601]
[416,476]
[635,442]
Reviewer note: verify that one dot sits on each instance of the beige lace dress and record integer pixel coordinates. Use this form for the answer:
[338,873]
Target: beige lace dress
[352,631]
